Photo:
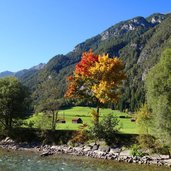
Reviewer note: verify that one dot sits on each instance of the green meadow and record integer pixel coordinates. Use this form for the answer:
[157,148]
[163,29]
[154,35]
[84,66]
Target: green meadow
[42,120]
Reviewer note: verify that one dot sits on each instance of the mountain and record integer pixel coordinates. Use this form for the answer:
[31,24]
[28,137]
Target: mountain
[6,73]
[138,42]
[19,74]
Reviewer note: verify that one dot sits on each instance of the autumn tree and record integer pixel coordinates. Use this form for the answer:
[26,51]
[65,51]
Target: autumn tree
[97,78]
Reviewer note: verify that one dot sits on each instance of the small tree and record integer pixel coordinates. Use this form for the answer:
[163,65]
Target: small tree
[14,101]
[49,102]
[144,119]
[106,129]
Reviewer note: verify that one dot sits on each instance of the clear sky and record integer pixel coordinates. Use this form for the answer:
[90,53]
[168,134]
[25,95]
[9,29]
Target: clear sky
[33,31]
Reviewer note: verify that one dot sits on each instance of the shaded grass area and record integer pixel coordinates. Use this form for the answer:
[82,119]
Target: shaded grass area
[40,119]
[32,137]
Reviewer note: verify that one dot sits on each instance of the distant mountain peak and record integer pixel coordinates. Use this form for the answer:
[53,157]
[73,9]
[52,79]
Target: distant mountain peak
[6,73]
[22,72]
[125,26]
[38,67]
[156,18]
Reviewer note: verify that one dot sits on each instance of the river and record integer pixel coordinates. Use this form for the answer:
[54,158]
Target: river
[30,161]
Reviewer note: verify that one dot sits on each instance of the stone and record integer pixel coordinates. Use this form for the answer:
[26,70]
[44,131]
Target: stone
[130,160]
[115,150]
[7,140]
[104,149]
[87,148]
[55,147]
[155,157]
[125,153]
[163,157]
[47,153]
[95,147]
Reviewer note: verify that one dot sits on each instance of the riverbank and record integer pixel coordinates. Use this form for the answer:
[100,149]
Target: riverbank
[92,150]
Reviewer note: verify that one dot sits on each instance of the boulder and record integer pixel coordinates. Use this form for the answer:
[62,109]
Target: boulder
[87,148]
[95,147]
[46,153]
[7,140]
[125,153]
[114,150]
[105,149]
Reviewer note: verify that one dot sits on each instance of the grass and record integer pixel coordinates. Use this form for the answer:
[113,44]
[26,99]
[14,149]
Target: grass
[83,112]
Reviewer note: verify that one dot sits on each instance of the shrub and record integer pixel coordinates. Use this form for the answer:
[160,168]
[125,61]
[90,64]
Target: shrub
[80,136]
[106,129]
[135,151]
[146,141]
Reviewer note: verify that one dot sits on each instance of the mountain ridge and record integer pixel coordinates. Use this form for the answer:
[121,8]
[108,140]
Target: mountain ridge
[20,73]
[138,42]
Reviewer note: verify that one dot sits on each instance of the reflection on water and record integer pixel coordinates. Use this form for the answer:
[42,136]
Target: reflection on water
[29,161]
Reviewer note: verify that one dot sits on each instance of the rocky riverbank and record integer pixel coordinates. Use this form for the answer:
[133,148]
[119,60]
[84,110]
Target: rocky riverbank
[91,150]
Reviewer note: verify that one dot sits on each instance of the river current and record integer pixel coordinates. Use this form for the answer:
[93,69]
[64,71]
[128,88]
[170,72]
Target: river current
[30,161]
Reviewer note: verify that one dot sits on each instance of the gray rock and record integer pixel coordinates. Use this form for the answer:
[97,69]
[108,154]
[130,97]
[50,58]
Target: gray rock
[95,147]
[77,148]
[130,160]
[104,149]
[47,153]
[55,147]
[7,140]
[115,150]
[163,157]
[125,153]
[87,148]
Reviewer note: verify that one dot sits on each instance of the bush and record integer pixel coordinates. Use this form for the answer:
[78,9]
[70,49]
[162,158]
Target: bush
[146,141]
[80,136]
[106,129]
[149,142]
[135,151]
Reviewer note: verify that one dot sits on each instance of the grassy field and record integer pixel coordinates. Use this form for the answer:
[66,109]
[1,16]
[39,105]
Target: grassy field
[83,112]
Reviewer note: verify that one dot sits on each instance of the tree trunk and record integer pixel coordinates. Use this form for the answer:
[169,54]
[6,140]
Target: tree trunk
[169,154]
[97,117]
[53,120]
[10,122]
[6,123]
[56,116]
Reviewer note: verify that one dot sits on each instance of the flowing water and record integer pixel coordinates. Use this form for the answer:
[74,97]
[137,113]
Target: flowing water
[29,161]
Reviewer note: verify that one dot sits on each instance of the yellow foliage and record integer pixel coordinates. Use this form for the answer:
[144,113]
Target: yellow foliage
[107,74]
[95,116]
[143,119]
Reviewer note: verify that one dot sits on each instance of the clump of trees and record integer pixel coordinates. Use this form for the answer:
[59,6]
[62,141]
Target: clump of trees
[154,118]
[14,102]
[158,85]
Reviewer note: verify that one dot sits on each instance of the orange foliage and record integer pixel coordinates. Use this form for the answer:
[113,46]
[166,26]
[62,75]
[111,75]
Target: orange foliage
[71,87]
[88,59]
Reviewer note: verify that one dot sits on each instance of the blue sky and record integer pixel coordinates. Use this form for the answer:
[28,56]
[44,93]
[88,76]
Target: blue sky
[33,31]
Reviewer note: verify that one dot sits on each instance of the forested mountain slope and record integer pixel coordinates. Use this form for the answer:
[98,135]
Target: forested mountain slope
[138,42]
